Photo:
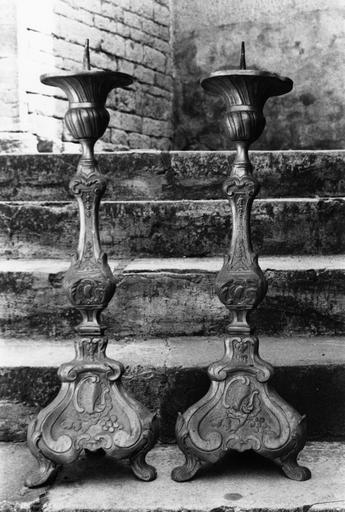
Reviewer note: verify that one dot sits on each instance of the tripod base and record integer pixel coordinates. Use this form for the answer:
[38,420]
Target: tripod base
[92,412]
[241,412]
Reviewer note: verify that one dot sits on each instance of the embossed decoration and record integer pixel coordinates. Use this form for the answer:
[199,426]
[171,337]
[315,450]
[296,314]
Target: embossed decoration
[89,293]
[241,411]
[92,411]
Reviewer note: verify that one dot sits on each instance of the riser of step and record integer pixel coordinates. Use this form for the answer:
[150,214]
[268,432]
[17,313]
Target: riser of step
[176,297]
[169,375]
[175,175]
[173,228]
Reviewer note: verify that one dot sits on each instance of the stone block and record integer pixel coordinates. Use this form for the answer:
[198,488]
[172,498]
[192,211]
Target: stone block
[150,27]
[46,105]
[114,44]
[107,24]
[67,49]
[126,66]
[104,61]
[122,29]
[154,59]
[119,137]
[65,9]
[161,14]
[124,121]
[156,108]
[88,5]
[138,35]
[123,100]
[112,10]
[162,46]
[139,141]
[132,19]
[133,51]
[156,128]
[142,8]
[156,91]
[164,81]
[76,32]
[144,74]
[160,143]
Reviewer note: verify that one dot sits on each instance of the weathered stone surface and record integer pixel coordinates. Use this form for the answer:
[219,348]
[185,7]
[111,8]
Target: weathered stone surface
[174,175]
[173,228]
[207,38]
[155,298]
[242,481]
[169,375]
[15,462]
[14,419]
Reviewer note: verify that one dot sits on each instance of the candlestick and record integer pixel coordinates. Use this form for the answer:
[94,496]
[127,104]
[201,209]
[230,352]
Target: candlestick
[241,410]
[92,412]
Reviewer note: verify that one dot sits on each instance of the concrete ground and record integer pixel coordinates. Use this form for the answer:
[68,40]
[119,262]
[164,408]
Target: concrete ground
[241,482]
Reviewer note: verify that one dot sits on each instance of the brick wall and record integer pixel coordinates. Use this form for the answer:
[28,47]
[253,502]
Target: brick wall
[12,133]
[132,36]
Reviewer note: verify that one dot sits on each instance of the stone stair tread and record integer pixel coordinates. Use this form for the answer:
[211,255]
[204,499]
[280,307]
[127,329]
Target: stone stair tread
[175,174]
[175,352]
[242,482]
[180,228]
[68,202]
[157,297]
[204,264]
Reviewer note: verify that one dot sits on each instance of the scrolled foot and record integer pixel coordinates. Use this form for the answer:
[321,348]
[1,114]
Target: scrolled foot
[47,469]
[187,470]
[294,471]
[45,474]
[141,469]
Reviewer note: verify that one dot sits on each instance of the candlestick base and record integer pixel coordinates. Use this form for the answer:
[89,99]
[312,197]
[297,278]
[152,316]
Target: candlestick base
[92,412]
[240,412]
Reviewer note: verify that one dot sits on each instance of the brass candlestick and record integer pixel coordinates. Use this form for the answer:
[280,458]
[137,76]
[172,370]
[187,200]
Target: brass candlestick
[241,411]
[92,411]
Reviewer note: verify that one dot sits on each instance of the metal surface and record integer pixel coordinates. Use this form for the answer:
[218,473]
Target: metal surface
[92,411]
[241,411]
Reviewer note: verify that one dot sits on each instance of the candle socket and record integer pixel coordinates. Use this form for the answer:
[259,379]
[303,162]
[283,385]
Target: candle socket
[241,410]
[92,411]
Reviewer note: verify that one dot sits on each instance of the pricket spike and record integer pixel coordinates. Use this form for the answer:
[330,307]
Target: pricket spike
[86,56]
[243,56]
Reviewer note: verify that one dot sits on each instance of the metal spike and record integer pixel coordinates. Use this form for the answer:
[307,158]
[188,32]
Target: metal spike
[86,56]
[243,56]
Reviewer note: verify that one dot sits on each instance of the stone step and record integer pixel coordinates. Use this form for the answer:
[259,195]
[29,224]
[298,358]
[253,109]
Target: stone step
[242,482]
[174,175]
[169,374]
[172,297]
[173,228]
